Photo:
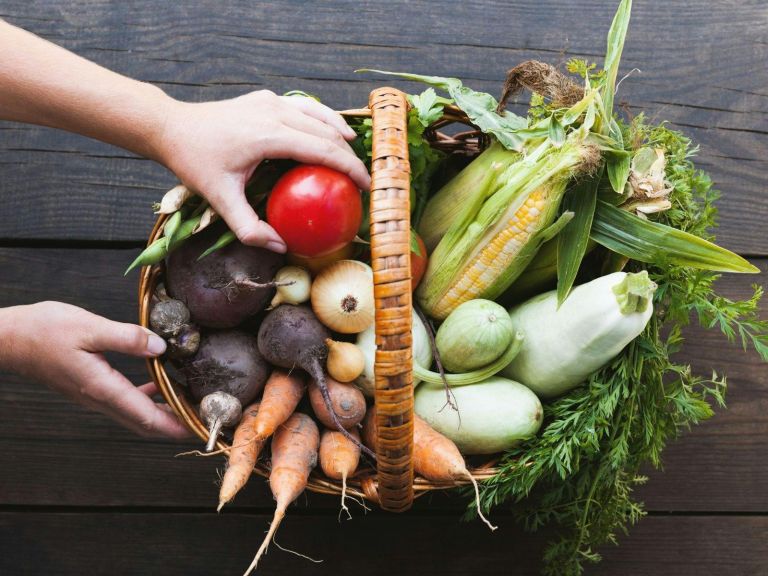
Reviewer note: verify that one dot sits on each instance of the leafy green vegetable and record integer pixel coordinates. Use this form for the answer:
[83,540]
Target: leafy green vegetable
[580,472]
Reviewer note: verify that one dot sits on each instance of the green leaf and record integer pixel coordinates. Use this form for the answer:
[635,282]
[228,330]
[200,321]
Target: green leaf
[479,107]
[572,241]
[616,36]
[556,132]
[574,112]
[618,166]
[655,243]
[428,106]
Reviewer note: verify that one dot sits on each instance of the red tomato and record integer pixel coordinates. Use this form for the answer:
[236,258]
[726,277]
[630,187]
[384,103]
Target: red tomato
[418,263]
[315,209]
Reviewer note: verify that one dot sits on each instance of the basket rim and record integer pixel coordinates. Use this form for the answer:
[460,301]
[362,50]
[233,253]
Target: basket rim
[364,484]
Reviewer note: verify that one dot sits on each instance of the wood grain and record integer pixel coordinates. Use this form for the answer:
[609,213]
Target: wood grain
[54,453]
[138,543]
[80,495]
[702,68]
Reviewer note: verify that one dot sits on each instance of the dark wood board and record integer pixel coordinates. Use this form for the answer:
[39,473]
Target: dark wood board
[80,495]
[702,68]
[138,543]
[54,453]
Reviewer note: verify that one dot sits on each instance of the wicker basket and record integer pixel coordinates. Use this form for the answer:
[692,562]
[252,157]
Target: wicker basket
[393,485]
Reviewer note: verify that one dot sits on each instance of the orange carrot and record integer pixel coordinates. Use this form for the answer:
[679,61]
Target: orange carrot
[294,454]
[435,457]
[282,393]
[242,456]
[339,458]
[346,399]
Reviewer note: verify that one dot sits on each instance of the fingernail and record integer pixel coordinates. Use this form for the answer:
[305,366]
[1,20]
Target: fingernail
[155,344]
[349,132]
[278,247]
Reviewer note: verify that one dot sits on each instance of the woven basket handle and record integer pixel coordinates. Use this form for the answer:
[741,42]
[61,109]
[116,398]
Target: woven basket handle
[391,262]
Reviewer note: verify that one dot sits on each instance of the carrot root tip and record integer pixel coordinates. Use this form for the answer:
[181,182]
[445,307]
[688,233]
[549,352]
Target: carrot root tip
[477,502]
[279,515]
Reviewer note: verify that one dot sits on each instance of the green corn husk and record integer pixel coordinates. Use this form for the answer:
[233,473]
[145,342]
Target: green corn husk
[448,203]
[655,243]
[486,213]
[539,276]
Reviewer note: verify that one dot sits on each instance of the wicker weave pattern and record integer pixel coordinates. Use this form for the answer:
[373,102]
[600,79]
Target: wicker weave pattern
[391,263]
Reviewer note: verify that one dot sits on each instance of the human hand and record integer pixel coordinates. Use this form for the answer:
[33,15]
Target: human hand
[214,148]
[62,346]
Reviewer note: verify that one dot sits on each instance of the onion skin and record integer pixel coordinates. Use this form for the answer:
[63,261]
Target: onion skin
[345,361]
[342,297]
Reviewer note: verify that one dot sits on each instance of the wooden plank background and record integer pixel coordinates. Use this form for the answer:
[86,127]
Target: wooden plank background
[80,495]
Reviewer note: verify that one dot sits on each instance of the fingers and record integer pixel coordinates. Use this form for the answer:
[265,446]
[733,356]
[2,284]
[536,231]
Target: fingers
[149,389]
[122,337]
[231,204]
[106,390]
[303,147]
[310,125]
[320,112]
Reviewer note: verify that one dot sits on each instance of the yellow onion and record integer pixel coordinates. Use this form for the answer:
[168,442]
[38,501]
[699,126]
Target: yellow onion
[345,360]
[342,296]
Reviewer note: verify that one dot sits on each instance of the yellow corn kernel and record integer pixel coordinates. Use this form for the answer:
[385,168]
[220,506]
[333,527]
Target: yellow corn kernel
[496,256]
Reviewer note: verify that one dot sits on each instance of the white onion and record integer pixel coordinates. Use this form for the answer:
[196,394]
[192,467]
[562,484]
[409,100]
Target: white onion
[342,296]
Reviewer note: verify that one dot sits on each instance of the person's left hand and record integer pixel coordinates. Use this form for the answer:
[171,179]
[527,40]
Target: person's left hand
[63,346]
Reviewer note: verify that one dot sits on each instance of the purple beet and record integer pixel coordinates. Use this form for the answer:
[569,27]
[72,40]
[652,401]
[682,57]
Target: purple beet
[226,287]
[227,361]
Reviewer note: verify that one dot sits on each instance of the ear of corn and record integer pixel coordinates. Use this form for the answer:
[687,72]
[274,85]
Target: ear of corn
[449,202]
[501,228]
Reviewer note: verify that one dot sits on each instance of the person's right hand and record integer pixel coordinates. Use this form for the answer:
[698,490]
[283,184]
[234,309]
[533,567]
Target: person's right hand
[214,147]
[62,346]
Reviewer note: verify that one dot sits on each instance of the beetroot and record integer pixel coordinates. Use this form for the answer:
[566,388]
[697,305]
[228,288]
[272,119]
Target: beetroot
[227,361]
[292,337]
[227,286]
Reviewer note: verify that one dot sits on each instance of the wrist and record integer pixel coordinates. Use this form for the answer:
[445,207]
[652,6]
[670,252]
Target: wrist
[155,110]
[10,328]
[171,114]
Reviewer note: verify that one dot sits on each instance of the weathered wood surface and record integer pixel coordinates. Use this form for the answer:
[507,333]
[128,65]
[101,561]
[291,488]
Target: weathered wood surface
[78,494]
[702,63]
[139,543]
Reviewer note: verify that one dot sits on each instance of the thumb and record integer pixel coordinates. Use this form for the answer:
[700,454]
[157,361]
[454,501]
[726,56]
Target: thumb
[231,204]
[107,335]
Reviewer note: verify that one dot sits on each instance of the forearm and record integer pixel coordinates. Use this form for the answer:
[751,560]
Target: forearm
[41,83]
